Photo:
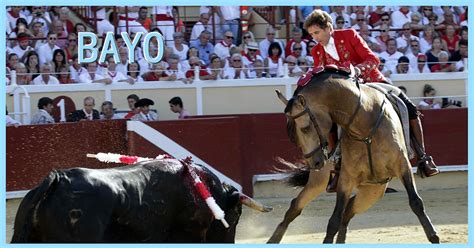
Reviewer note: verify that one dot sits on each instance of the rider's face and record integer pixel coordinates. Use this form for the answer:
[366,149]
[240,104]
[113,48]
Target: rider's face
[319,34]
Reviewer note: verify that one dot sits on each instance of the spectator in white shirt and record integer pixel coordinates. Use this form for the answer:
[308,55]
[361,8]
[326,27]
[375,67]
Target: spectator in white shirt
[385,19]
[265,44]
[231,16]
[116,76]
[391,56]
[45,52]
[13,14]
[23,45]
[179,48]
[413,52]
[403,44]
[401,16]
[200,26]
[11,122]
[45,77]
[92,77]
[339,11]
[133,73]
[174,67]
[222,49]
[293,69]
[122,66]
[37,32]
[163,15]
[39,15]
[236,70]
[76,69]
[403,66]
[360,20]
[421,66]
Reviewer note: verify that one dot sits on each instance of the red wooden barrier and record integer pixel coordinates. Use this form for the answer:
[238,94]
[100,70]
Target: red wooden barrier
[239,146]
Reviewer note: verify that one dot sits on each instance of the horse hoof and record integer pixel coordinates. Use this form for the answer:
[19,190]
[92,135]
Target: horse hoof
[434,239]
[273,240]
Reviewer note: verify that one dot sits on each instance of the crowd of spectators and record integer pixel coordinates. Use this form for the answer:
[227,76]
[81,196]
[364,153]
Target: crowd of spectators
[42,45]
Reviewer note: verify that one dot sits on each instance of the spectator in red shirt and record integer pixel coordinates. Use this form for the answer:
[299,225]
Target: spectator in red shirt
[64,17]
[64,76]
[71,46]
[443,64]
[157,73]
[374,17]
[450,38]
[297,35]
[132,99]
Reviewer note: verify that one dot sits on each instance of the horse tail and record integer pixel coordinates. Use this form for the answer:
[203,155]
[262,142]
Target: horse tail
[26,217]
[298,173]
[298,178]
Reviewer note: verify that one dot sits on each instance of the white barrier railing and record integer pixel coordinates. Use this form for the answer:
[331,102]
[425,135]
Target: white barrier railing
[199,85]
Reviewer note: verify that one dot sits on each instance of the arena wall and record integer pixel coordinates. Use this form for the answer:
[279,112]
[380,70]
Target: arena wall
[239,146]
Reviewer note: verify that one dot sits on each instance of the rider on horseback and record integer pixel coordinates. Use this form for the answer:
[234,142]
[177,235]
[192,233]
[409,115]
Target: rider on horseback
[341,47]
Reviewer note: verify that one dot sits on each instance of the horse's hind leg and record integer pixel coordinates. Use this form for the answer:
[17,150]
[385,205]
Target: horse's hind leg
[317,183]
[363,200]
[416,204]
[344,191]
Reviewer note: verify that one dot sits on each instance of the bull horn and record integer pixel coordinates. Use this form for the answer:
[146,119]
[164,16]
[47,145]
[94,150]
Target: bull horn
[281,97]
[251,203]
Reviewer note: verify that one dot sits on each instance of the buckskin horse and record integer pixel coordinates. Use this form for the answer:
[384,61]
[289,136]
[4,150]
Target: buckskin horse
[372,146]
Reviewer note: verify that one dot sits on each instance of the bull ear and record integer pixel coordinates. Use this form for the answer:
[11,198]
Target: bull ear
[281,97]
[301,100]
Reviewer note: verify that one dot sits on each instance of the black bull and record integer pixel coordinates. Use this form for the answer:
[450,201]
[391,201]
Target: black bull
[148,202]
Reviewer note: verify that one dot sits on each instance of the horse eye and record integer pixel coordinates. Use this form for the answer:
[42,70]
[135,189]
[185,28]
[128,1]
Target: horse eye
[306,129]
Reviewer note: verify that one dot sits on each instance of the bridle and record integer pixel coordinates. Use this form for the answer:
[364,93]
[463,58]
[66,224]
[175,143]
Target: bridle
[322,150]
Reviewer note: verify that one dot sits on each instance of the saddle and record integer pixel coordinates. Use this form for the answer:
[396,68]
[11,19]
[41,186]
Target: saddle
[345,70]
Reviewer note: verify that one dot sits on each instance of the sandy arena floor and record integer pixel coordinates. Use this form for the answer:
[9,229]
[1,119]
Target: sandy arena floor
[388,221]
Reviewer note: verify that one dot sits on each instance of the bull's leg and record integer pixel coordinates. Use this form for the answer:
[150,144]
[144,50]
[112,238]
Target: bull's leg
[344,190]
[416,204]
[363,200]
[316,185]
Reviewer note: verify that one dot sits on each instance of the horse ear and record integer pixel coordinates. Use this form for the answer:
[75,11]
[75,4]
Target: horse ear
[301,100]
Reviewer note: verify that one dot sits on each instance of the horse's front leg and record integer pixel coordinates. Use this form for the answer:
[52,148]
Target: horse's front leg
[317,183]
[344,190]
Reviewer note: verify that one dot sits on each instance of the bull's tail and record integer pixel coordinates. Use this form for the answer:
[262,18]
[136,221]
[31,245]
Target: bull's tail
[26,216]
[298,173]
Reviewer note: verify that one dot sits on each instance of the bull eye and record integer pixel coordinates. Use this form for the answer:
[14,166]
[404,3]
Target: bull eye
[306,129]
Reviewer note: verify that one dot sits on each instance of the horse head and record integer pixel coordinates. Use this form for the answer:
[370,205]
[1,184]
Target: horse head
[306,131]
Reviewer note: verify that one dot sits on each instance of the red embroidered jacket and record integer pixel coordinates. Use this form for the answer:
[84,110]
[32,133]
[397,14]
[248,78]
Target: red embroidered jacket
[351,48]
